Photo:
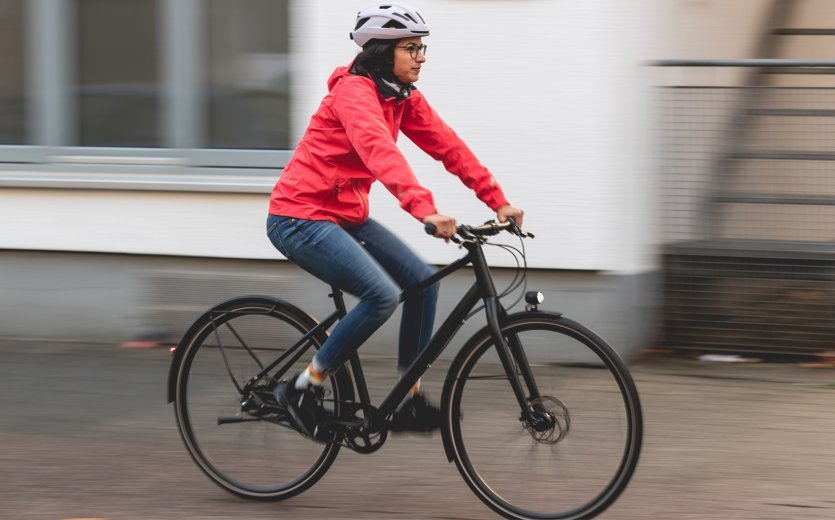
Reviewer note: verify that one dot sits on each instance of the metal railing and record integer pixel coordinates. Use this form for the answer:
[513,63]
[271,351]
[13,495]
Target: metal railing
[748,208]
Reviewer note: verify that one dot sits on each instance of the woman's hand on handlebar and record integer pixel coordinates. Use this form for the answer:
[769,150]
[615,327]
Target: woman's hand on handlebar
[445,226]
[508,211]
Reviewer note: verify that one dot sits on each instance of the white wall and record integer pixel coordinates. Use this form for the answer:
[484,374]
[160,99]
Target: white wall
[544,93]
[554,96]
[190,224]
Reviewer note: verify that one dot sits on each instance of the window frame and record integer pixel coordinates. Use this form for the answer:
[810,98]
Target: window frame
[52,160]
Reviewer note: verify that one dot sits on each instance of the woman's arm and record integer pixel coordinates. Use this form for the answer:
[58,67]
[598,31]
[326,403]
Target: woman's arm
[356,105]
[428,131]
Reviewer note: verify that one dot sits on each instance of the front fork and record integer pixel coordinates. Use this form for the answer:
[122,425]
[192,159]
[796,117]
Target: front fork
[515,362]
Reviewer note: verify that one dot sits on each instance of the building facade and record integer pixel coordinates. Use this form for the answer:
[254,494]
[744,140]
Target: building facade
[139,141]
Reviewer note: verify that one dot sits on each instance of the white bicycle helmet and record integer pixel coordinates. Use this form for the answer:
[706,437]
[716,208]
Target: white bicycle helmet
[388,21]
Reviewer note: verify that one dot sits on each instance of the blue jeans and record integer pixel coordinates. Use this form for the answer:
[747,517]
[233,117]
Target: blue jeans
[371,263]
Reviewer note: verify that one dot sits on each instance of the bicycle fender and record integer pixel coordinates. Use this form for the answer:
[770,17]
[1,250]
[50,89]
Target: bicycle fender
[483,334]
[180,350]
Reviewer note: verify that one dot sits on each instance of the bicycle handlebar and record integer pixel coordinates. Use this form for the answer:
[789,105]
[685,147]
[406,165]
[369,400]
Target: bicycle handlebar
[489,228]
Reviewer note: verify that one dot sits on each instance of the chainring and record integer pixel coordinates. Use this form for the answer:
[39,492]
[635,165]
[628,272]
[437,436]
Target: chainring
[366,430]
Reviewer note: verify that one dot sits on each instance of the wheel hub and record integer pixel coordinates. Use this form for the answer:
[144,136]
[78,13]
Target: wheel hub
[550,421]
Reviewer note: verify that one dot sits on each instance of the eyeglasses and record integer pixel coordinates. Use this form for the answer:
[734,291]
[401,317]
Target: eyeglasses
[414,50]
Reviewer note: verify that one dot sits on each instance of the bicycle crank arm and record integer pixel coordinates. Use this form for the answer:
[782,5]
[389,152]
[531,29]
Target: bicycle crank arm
[240,419]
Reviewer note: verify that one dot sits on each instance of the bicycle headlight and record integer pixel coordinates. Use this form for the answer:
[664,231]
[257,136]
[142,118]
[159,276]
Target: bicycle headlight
[534,297]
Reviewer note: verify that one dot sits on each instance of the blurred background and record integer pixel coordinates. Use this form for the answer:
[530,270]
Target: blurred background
[681,191]
[675,159]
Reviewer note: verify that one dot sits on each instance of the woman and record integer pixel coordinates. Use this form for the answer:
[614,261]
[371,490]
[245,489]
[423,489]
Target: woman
[319,208]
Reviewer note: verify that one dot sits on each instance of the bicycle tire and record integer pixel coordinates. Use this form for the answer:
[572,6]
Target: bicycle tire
[577,468]
[255,459]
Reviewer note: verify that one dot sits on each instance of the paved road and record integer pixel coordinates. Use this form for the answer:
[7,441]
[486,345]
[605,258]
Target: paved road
[85,433]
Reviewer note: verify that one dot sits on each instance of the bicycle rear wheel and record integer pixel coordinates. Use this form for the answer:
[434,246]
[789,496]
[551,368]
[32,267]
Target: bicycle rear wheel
[580,457]
[248,450]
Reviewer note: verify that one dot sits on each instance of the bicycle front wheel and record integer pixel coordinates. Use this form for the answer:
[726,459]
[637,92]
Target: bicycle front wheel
[575,459]
[249,450]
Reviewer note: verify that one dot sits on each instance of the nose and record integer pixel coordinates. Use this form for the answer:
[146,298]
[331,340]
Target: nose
[421,57]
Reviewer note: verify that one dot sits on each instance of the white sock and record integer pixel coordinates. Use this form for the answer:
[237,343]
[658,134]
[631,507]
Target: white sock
[311,376]
[415,390]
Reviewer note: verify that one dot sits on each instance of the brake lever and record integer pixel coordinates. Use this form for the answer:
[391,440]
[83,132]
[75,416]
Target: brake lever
[516,230]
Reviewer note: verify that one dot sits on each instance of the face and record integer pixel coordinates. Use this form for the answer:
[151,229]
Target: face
[406,68]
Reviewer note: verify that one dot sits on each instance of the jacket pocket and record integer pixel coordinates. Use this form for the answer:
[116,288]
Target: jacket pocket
[362,197]
[334,197]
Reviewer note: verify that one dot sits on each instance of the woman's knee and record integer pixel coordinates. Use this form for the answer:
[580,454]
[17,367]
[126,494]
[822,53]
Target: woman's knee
[384,296]
[427,271]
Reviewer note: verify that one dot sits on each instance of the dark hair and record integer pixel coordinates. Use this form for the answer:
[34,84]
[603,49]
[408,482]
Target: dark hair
[376,59]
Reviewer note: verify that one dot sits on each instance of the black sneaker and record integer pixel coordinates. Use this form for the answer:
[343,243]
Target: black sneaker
[305,408]
[416,415]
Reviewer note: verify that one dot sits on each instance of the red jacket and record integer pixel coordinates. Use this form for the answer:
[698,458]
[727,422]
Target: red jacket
[350,143]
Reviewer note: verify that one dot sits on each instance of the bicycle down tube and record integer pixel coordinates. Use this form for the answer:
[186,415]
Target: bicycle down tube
[482,289]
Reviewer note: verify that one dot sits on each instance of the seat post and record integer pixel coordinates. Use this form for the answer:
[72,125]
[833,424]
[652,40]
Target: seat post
[338,300]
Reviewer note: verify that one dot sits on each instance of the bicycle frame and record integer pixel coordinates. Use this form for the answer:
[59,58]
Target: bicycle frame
[256,327]
[510,353]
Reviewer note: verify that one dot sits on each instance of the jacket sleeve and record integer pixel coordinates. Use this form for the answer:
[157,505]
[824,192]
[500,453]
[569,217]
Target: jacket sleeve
[428,131]
[356,105]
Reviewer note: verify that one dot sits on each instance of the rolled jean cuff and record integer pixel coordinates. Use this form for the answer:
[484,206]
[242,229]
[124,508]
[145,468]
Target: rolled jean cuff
[319,367]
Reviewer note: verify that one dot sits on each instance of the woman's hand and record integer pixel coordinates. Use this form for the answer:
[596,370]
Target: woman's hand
[509,211]
[444,226]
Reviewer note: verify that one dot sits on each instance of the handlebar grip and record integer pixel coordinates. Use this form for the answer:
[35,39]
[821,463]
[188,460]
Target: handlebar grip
[430,229]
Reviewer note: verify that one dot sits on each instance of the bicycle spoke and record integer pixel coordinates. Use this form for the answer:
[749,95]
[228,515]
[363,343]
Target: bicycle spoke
[244,345]
[225,358]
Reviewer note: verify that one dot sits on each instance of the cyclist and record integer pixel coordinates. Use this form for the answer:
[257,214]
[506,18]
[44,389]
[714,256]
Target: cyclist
[318,214]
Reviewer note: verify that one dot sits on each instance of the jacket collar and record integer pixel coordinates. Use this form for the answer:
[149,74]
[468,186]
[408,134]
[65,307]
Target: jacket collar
[393,89]
[387,88]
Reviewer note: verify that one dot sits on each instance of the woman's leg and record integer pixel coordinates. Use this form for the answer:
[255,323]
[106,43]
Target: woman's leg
[415,413]
[406,268]
[329,253]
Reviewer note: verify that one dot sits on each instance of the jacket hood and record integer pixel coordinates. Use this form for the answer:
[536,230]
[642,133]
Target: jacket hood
[338,73]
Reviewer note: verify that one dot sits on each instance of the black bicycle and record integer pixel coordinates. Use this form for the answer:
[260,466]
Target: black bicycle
[541,416]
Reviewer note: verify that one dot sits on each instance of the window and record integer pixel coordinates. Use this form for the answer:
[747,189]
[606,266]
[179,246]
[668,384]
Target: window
[247,74]
[12,84]
[118,73]
[191,83]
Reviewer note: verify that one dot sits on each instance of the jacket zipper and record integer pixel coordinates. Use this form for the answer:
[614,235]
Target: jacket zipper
[363,198]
